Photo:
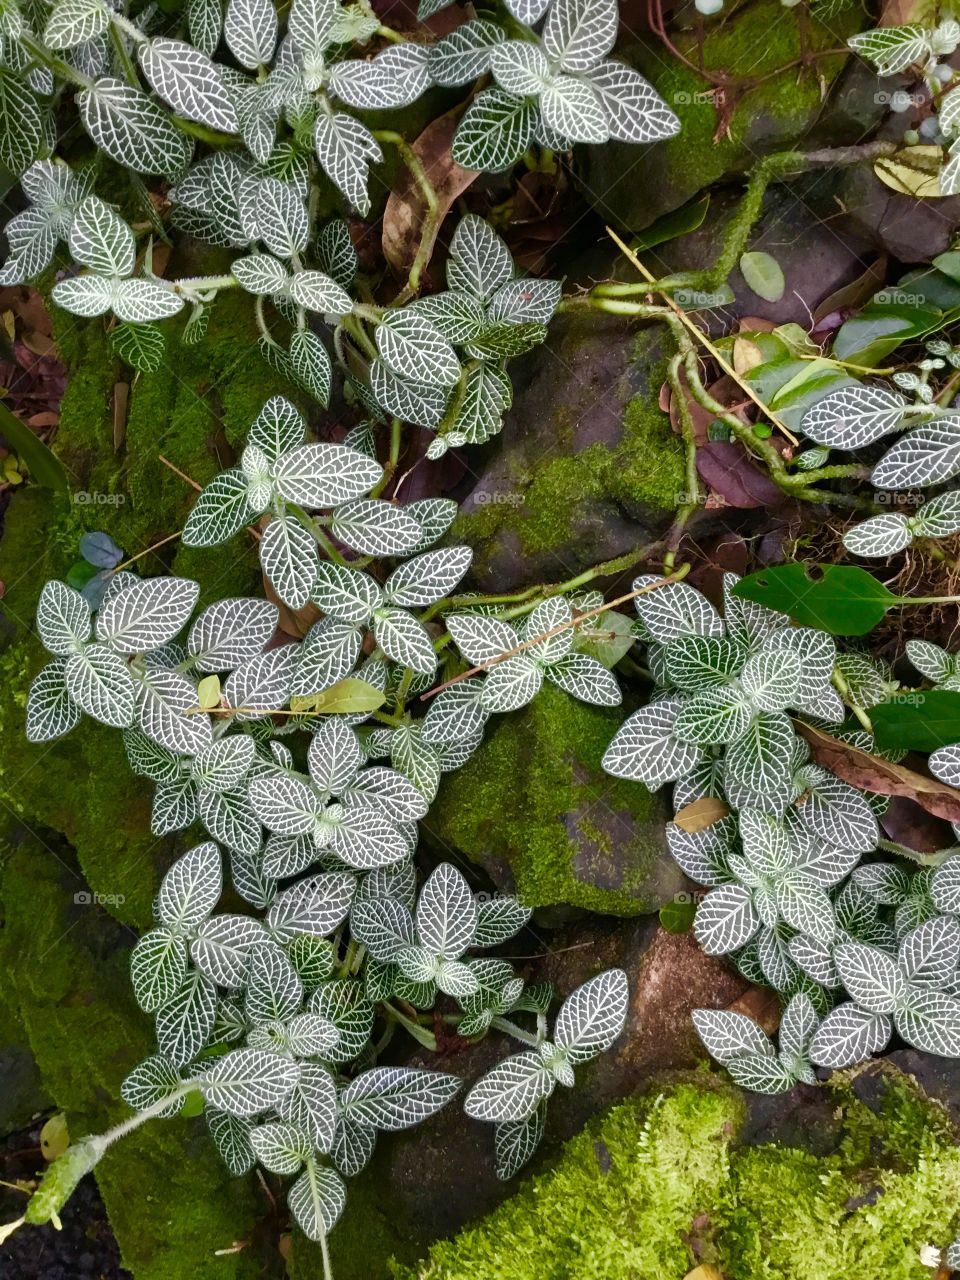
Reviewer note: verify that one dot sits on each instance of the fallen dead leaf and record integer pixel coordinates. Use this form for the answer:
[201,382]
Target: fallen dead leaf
[760,1003]
[700,814]
[705,1271]
[870,773]
[746,355]
[403,217]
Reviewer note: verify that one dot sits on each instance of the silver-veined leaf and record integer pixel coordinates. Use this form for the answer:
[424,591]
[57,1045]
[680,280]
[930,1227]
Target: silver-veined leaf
[129,126]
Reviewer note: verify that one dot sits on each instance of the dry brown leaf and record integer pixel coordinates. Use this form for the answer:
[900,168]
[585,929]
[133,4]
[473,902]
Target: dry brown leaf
[746,355]
[854,294]
[762,1005]
[700,814]
[870,773]
[705,1271]
[404,214]
[755,324]
[41,344]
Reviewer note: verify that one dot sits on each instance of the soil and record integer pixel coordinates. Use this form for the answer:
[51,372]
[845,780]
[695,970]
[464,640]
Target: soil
[84,1249]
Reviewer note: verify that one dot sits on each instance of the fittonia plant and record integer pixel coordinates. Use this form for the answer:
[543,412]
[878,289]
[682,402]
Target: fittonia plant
[276,1014]
[290,97]
[787,891]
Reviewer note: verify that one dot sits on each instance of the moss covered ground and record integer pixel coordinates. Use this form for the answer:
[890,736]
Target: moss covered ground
[81,819]
[765,112]
[660,1184]
[641,471]
[535,796]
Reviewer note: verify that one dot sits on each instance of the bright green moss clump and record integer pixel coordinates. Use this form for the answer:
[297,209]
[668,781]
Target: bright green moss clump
[633,1192]
[617,1205]
[549,502]
[171,1201]
[534,797]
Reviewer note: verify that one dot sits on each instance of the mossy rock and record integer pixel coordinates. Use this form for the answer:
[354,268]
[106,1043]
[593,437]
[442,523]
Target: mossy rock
[660,1184]
[195,411]
[634,188]
[170,1200]
[588,467]
[534,807]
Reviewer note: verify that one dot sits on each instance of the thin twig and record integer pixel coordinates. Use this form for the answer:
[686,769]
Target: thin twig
[555,631]
[140,554]
[182,474]
[702,338]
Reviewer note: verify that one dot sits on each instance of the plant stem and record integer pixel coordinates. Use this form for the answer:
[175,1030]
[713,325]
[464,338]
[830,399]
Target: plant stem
[511,1029]
[564,626]
[846,693]
[50,60]
[420,1034]
[104,1140]
[431,221]
[319,536]
[702,338]
[692,497]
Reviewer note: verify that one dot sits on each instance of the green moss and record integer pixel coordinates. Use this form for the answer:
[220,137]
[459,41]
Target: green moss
[643,471]
[195,410]
[752,42]
[170,1199]
[534,796]
[632,1193]
[619,1203]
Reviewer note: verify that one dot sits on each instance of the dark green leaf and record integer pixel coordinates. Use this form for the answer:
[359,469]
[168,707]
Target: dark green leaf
[677,916]
[841,599]
[679,223]
[922,721]
[44,466]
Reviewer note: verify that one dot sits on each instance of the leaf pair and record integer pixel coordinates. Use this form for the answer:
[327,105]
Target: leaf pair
[512,1094]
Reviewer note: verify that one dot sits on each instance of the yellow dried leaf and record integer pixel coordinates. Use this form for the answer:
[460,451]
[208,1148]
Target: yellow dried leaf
[208,693]
[746,355]
[700,814]
[912,171]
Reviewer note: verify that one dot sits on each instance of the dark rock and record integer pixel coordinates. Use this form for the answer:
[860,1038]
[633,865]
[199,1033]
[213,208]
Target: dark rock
[911,230]
[22,1096]
[587,467]
[438,1177]
[534,808]
[634,186]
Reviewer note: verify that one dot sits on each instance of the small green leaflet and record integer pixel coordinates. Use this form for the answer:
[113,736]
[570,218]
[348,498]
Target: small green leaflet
[349,695]
[763,275]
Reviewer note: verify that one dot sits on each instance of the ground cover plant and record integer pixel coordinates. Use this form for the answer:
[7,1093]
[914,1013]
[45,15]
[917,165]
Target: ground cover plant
[736,606]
